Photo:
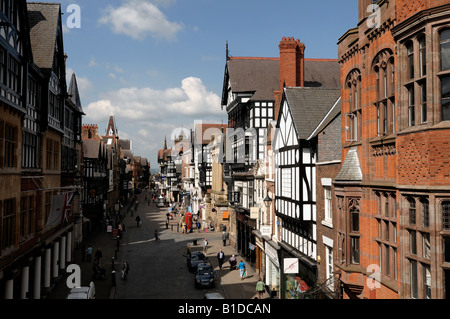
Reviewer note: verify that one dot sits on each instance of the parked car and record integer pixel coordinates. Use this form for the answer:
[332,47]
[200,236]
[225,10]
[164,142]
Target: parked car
[194,258]
[205,276]
[213,295]
[82,292]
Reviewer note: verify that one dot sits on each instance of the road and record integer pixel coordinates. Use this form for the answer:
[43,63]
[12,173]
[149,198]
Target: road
[158,269]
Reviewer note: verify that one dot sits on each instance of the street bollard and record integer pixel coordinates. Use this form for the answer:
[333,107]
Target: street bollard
[113,278]
[112,265]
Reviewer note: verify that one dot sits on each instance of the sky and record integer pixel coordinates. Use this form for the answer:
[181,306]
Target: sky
[158,66]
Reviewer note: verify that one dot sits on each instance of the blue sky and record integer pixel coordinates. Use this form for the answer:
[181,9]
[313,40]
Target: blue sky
[158,65]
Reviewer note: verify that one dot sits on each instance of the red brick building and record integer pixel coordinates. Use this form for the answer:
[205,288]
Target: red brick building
[393,191]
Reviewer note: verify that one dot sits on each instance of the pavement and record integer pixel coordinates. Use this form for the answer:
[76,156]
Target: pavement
[232,285]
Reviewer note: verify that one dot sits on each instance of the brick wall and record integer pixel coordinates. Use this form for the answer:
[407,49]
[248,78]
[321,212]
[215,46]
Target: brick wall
[424,158]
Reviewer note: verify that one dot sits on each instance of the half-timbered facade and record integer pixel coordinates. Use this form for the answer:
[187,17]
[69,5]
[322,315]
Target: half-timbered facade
[248,97]
[36,200]
[301,111]
[95,174]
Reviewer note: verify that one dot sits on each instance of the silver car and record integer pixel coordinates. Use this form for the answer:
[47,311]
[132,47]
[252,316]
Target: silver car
[82,292]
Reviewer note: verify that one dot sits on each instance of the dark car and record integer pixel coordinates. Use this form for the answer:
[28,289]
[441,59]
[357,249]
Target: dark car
[194,258]
[204,276]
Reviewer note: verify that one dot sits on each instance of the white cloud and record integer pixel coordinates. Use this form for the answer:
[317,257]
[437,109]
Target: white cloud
[191,100]
[138,19]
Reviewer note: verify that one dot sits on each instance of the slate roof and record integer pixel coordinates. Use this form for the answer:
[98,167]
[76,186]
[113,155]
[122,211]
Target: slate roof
[74,94]
[335,111]
[261,76]
[91,148]
[351,169]
[43,20]
[308,106]
[125,144]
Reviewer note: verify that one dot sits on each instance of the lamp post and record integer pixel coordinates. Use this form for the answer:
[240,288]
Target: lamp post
[267,200]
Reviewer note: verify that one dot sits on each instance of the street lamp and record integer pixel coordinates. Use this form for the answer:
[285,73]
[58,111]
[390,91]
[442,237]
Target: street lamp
[267,200]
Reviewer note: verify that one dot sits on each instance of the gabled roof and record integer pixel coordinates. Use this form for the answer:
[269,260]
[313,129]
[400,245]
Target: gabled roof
[332,113]
[43,21]
[91,148]
[261,76]
[308,107]
[74,94]
[351,169]
[125,144]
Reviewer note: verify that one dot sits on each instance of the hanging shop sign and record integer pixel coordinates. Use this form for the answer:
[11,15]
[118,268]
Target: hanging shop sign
[290,265]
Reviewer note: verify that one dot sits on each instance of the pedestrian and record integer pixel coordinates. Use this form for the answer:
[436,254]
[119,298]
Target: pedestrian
[220,258]
[89,253]
[98,254]
[138,221]
[232,262]
[242,270]
[224,238]
[260,287]
[125,269]
[156,235]
[198,226]
[205,246]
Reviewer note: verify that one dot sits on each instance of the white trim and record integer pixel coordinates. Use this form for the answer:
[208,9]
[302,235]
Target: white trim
[327,241]
[326,181]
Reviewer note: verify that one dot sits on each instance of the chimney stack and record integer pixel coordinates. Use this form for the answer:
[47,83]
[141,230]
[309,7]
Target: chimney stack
[292,62]
[292,65]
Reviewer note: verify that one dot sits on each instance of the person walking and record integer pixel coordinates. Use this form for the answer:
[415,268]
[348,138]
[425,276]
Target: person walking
[260,287]
[220,258]
[224,237]
[125,269]
[242,270]
[232,262]
[89,253]
[138,221]
[205,246]
[98,254]
[156,235]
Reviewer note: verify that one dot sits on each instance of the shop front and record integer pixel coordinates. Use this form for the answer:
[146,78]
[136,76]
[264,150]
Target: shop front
[299,275]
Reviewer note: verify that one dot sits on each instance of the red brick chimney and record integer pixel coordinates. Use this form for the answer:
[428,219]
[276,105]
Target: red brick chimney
[292,57]
[292,65]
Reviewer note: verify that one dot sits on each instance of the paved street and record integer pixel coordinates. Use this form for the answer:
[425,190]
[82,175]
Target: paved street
[158,269]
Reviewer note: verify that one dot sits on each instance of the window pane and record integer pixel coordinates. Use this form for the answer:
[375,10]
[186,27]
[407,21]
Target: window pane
[446,249]
[427,281]
[423,58]
[412,242]
[445,96]
[425,214]
[413,279]
[446,215]
[412,212]
[445,50]
[426,246]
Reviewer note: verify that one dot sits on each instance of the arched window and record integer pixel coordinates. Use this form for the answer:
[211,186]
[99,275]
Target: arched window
[383,66]
[353,117]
